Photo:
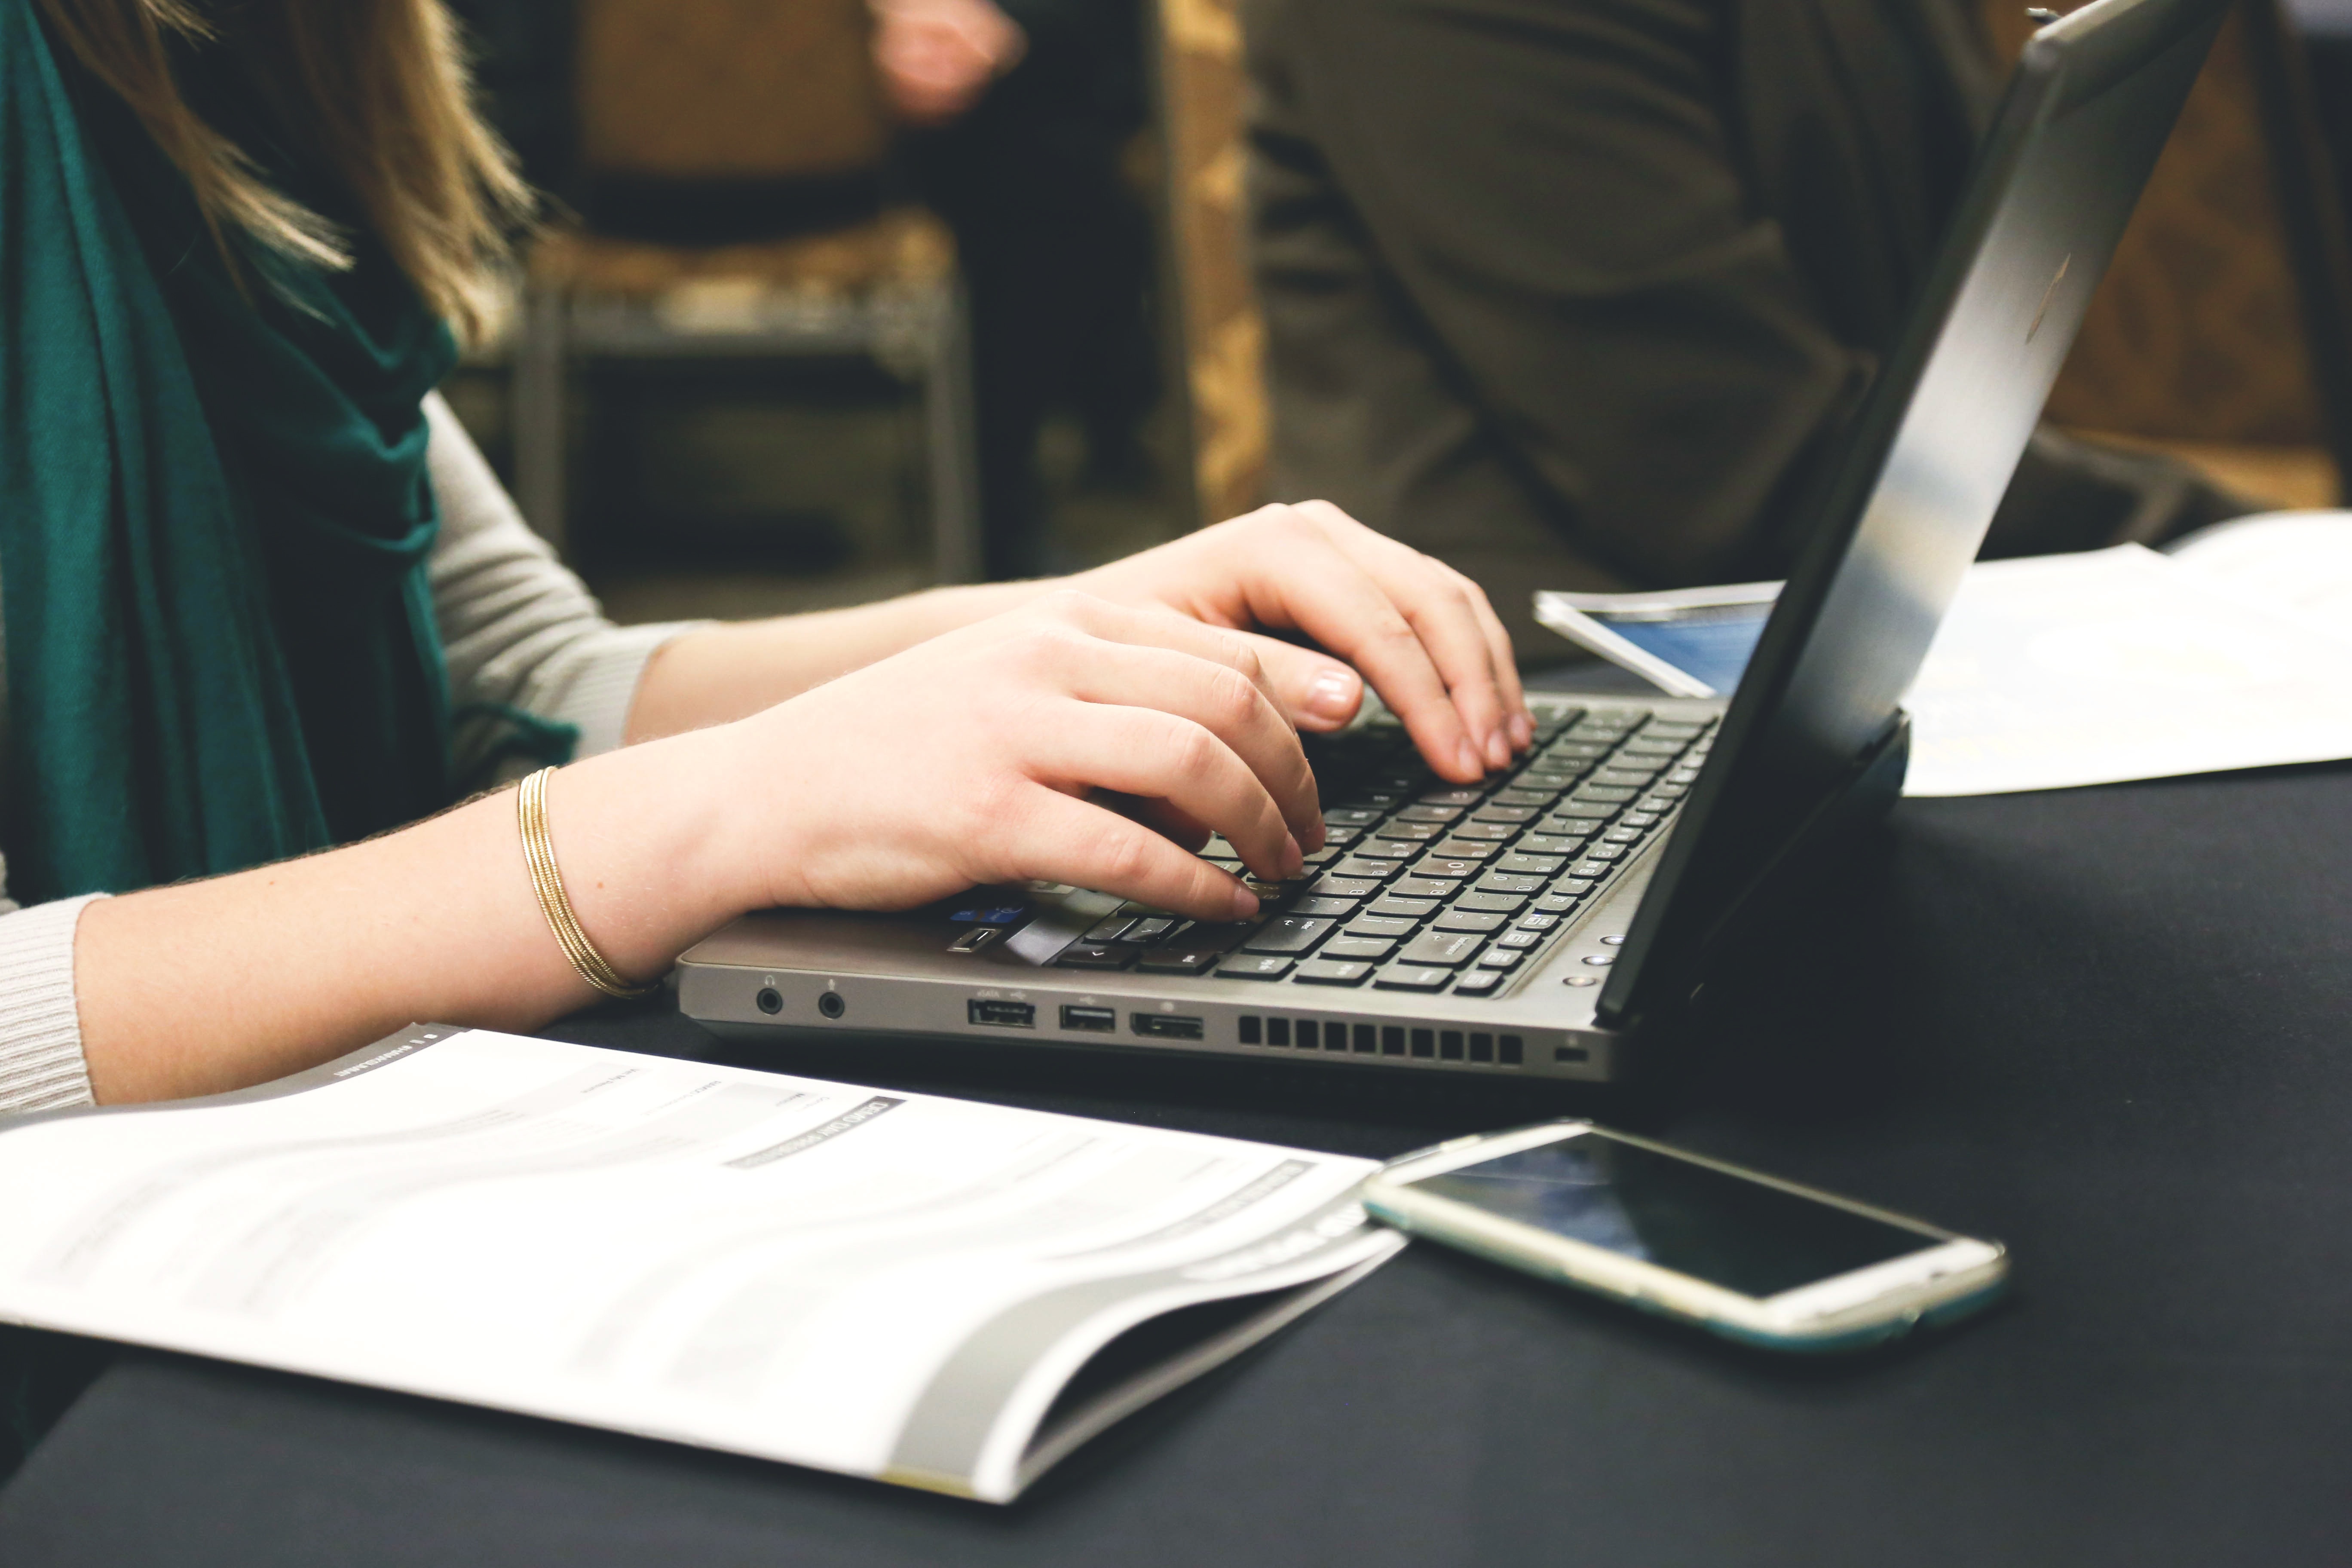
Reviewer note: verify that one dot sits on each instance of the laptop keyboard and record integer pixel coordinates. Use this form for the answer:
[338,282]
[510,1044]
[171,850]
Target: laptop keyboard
[1425,885]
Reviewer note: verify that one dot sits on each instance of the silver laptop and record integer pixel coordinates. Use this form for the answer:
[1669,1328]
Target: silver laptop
[1549,921]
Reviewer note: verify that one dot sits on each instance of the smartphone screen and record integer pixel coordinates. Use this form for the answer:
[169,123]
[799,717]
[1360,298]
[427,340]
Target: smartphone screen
[1725,1230]
[1711,642]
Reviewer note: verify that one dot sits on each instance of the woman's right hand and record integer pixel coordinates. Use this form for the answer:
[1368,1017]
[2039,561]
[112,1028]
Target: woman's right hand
[987,755]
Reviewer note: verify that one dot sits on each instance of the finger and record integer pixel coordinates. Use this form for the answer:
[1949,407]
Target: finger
[1062,839]
[1157,658]
[1165,756]
[1304,581]
[1313,690]
[1441,606]
[1518,718]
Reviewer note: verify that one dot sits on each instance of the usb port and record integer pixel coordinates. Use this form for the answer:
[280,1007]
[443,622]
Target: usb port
[1165,1026]
[1102,1020]
[1004,1014]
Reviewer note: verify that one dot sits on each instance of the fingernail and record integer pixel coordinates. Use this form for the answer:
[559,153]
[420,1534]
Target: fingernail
[1335,695]
[1245,903]
[1498,749]
[1294,859]
[1466,757]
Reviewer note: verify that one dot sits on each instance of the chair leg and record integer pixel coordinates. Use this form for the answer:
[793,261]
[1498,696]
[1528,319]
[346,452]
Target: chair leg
[949,433]
[539,417]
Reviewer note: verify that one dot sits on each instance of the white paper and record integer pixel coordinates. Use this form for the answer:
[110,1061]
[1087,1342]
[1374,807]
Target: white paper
[2299,562]
[774,1266]
[2056,671]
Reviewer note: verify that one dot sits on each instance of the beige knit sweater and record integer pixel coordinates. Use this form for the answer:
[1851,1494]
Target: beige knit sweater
[517,629]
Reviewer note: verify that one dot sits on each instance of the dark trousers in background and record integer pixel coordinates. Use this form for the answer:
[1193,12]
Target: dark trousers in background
[1056,252]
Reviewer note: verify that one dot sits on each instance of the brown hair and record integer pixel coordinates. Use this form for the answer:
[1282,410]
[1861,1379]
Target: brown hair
[380,84]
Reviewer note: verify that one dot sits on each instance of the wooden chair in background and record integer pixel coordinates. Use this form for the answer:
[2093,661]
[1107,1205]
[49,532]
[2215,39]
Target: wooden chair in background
[2223,332]
[1201,89]
[721,103]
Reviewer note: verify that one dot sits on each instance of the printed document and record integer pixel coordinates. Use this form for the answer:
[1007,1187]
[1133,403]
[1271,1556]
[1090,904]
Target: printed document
[883,1283]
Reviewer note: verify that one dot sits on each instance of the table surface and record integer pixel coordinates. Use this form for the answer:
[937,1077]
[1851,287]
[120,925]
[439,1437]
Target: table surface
[2112,1027]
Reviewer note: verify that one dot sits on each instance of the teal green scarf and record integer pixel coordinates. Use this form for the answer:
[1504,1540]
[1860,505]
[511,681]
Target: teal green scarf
[213,509]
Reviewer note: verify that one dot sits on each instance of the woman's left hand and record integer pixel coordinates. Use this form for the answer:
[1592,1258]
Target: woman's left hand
[1420,631]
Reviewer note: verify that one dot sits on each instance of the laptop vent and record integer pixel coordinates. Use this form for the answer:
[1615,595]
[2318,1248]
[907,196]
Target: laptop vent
[1275,1031]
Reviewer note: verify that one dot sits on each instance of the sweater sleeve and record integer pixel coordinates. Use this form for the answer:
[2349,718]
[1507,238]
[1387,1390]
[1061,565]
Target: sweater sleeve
[519,631]
[41,1066]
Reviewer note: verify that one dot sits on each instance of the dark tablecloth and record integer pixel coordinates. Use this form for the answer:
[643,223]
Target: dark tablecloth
[2112,1027]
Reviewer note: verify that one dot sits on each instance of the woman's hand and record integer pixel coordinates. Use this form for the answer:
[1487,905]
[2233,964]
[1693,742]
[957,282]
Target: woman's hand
[982,756]
[1422,632]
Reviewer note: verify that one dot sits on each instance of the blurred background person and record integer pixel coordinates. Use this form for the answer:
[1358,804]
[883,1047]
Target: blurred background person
[1021,116]
[1579,293]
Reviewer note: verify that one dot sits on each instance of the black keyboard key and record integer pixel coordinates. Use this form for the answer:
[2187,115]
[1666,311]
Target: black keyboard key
[1518,796]
[1605,794]
[1384,926]
[1536,922]
[1371,949]
[1410,832]
[1489,832]
[1482,921]
[1097,955]
[1520,938]
[1327,971]
[1623,836]
[1323,904]
[1410,977]
[1109,930]
[1447,851]
[1224,937]
[1418,887]
[1674,730]
[1288,933]
[1574,887]
[1446,948]
[1351,816]
[1255,966]
[1532,781]
[1386,850]
[1332,884]
[1423,812]
[1144,933]
[1606,852]
[1448,868]
[1590,870]
[1179,957]
[1572,750]
[1456,796]
[1403,909]
[1531,865]
[1558,903]
[1490,903]
[1512,816]
[1549,843]
[1641,819]
[1509,882]
[1625,778]
[1597,813]
[1500,958]
[1357,868]
[1649,744]
[1478,983]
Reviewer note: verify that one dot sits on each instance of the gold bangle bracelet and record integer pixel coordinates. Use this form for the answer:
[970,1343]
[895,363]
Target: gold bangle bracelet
[538,854]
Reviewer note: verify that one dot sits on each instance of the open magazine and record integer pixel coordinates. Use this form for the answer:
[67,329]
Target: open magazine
[928,1291]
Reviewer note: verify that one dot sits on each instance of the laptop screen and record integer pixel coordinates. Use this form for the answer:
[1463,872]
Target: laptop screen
[1905,509]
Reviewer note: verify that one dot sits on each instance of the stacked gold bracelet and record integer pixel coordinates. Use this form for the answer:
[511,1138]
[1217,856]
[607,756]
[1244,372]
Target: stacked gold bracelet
[539,853]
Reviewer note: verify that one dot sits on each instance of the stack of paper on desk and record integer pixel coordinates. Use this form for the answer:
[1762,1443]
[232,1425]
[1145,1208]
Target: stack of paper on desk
[2051,671]
[2059,670]
[928,1291]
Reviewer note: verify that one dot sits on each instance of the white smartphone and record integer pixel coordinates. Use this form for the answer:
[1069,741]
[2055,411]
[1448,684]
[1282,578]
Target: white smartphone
[1745,1255]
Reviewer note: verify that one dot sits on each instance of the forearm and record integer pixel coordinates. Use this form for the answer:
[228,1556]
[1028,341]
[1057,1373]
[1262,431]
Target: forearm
[724,673]
[210,985]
